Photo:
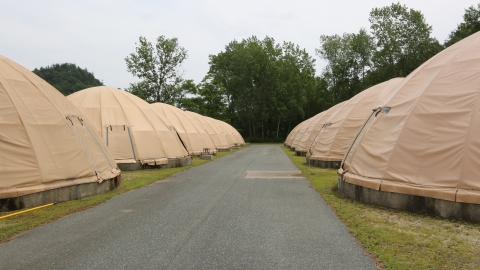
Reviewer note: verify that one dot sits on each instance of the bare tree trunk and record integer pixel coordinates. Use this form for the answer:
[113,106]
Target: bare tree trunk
[253,127]
[263,135]
[250,127]
[278,126]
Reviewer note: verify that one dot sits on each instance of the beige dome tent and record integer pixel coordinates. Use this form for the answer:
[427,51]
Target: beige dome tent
[304,142]
[135,133]
[232,135]
[193,134]
[335,138]
[221,127]
[239,139]
[423,139]
[45,143]
[315,126]
[303,127]
[219,139]
[293,133]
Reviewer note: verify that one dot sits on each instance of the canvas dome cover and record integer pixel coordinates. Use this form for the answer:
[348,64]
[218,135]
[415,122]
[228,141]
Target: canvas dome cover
[424,137]
[222,129]
[218,137]
[312,129]
[232,135]
[45,141]
[315,127]
[293,133]
[132,130]
[341,127]
[190,130]
[239,139]
[303,127]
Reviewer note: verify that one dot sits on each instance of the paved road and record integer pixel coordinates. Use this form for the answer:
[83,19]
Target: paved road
[208,217]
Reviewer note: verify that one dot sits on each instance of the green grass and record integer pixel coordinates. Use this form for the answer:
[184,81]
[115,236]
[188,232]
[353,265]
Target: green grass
[14,225]
[398,239]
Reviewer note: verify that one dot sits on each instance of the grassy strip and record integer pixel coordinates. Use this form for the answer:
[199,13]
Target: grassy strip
[398,239]
[12,226]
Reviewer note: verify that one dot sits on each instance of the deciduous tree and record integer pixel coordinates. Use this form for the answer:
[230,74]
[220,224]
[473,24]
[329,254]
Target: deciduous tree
[266,84]
[469,26]
[158,67]
[67,78]
[403,40]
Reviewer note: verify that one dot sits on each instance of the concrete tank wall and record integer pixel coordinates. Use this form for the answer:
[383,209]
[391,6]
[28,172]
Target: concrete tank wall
[63,194]
[412,203]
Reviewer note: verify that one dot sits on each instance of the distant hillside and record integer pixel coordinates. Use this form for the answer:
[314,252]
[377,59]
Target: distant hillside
[68,78]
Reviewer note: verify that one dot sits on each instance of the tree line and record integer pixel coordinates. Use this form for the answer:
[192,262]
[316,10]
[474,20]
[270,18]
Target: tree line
[264,88]
[68,78]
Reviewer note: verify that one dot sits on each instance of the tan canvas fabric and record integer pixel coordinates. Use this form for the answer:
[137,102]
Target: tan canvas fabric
[304,142]
[315,127]
[219,139]
[335,138]
[45,141]
[230,132]
[293,133]
[236,134]
[289,139]
[190,130]
[301,130]
[428,144]
[132,130]
[221,127]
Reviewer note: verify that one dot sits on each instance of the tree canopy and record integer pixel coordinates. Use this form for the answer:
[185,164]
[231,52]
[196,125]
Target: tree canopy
[349,57]
[403,41]
[158,67]
[469,26]
[67,78]
[399,42]
[264,88]
[265,83]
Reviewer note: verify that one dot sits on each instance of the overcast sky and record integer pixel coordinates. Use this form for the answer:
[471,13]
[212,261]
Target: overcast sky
[99,34]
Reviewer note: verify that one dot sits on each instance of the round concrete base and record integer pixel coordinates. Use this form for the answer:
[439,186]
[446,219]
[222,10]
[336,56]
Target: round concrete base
[323,164]
[63,194]
[300,153]
[172,163]
[412,203]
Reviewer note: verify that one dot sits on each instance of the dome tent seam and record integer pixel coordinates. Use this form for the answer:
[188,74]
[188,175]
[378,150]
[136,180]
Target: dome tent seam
[129,125]
[43,137]
[23,124]
[420,95]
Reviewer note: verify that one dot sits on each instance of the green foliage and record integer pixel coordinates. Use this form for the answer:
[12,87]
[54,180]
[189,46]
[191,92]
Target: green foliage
[349,59]
[469,26]
[403,42]
[207,98]
[159,69]
[399,42]
[67,78]
[265,84]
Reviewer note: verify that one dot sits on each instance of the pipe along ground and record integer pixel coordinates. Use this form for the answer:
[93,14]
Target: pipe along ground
[28,210]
